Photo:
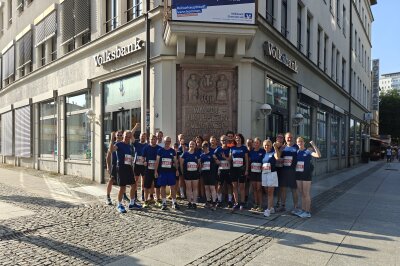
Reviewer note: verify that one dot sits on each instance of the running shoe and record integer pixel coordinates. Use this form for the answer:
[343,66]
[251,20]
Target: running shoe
[126,198]
[164,206]
[194,206]
[305,214]
[175,206]
[277,205]
[272,210]
[260,209]
[241,207]
[281,209]
[254,208]
[236,206]
[219,204]
[214,206]
[108,201]
[134,206]
[158,203]
[267,213]
[121,209]
[146,204]
[189,206]
[208,204]
[296,211]
[230,204]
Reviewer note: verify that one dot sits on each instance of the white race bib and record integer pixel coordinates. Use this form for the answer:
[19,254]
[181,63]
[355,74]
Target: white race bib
[191,166]
[128,159]
[287,160]
[300,166]
[151,165]
[237,162]
[139,160]
[206,166]
[166,163]
[266,168]
[255,167]
[224,165]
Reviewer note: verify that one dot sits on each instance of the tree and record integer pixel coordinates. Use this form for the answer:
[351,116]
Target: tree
[389,114]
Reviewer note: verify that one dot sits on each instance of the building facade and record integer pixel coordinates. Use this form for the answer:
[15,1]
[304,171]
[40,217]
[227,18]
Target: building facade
[72,71]
[390,81]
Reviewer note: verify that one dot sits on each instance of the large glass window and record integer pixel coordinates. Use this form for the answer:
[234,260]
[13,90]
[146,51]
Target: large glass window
[78,137]
[321,133]
[7,134]
[276,94]
[358,137]
[334,136]
[299,22]
[111,15]
[270,11]
[23,132]
[134,9]
[304,129]
[48,129]
[351,137]
[343,136]
[284,15]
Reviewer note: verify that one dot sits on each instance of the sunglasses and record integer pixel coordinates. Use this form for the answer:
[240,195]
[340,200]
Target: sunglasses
[119,135]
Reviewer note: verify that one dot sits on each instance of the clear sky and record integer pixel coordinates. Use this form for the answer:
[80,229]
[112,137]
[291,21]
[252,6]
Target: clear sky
[386,35]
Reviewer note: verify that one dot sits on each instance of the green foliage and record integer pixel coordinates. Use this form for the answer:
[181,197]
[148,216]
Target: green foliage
[389,110]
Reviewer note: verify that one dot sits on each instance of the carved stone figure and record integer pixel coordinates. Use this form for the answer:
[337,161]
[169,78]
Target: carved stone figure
[222,88]
[193,88]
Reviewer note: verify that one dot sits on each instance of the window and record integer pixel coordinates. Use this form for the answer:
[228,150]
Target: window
[308,37]
[48,129]
[75,22]
[334,136]
[351,137]
[8,66]
[321,133]
[359,49]
[284,30]
[344,21]
[23,132]
[134,9]
[1,22]
[7,134]
[319,46]
[111,15]
[333,56]
[276,94]
[20,5]
[343,136]
[304,129]
[337,13]
[46,30]
[358,138]
[9,12]
[299,44]
[78,138]
[343,73]
[355,42]
[325,53]
[270,12]
[337,66]
[24,47]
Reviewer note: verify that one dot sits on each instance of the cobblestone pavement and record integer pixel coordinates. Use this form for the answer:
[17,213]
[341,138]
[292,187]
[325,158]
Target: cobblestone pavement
[95,234]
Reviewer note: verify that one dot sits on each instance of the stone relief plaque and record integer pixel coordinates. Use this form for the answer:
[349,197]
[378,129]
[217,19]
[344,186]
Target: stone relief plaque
[206,100]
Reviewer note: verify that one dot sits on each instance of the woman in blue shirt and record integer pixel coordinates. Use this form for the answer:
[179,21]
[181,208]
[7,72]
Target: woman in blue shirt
[256,156]
[208,175]
[303,175]
[190,162]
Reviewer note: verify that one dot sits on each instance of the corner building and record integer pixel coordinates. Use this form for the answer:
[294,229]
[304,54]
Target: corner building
[72,71]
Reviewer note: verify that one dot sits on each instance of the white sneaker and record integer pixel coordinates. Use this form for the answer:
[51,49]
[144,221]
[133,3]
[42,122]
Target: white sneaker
[272,210]
[267,213]
[305,214]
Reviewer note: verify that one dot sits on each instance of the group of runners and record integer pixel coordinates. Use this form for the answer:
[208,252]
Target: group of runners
[216,173]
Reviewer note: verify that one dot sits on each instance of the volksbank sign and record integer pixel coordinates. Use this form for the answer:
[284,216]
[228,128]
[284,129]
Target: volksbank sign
[273,51]
[118,52]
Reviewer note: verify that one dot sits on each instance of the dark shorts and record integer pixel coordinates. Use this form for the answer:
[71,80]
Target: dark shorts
[139,170]
[255,177]
[150,179]
[209,178]
[304,176]
[113,174]
[191,175]
[224,177]
[166,179]
[237,175]
[288,178]
[125,175]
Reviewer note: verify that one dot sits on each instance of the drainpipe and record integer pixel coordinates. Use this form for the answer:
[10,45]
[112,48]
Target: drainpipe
[350,79]
[148,22]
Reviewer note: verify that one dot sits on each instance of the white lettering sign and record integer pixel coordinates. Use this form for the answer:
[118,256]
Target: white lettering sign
[276,53]
[107,56]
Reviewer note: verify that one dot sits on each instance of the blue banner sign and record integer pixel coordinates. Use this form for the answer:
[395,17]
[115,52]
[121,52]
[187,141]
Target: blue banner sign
[220,11]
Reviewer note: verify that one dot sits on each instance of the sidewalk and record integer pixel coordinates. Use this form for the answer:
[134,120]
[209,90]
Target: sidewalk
[355,217]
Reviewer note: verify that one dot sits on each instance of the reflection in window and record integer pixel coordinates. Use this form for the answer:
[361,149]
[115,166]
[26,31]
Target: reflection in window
[78,138]
[123,90]
[276,93]
[321,133]
[48,129]
[351,137]
[334,136]
[304,129]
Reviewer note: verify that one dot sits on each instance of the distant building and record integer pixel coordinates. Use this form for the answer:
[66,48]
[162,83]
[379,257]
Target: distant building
[389,81]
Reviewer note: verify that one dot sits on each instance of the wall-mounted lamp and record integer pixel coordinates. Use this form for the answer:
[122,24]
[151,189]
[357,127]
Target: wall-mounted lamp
[297,119]
[91,115]
[264,111]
